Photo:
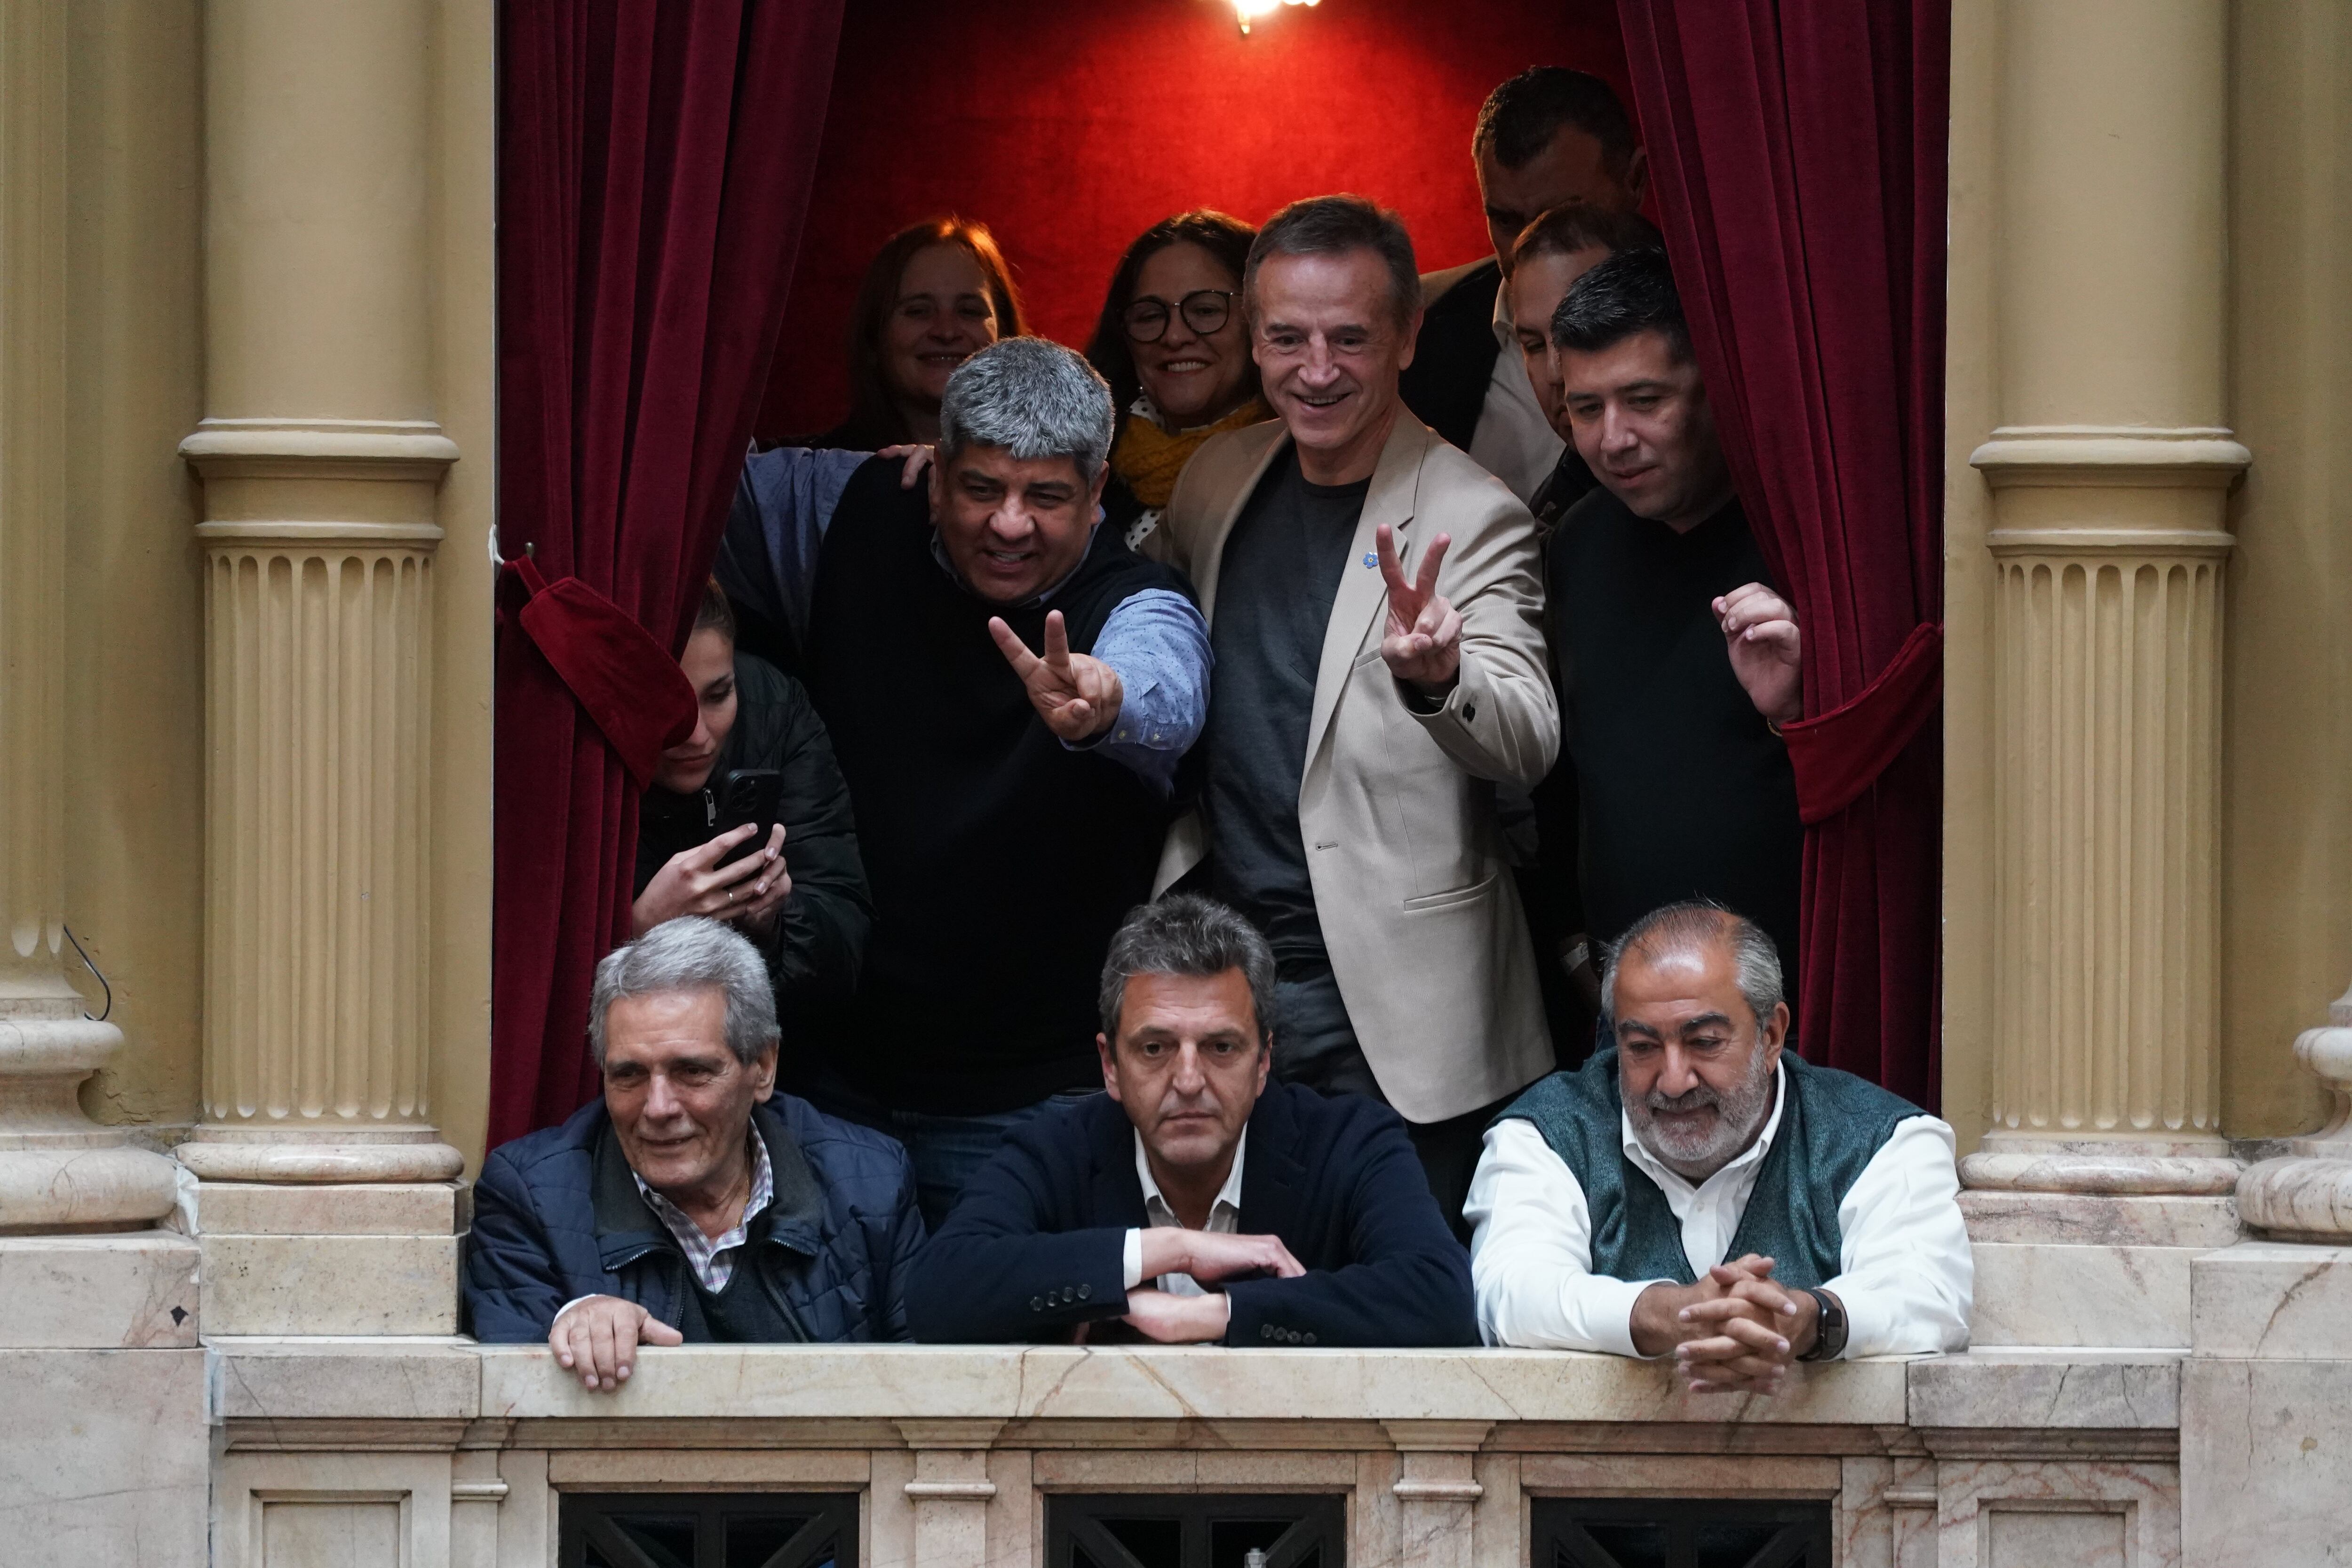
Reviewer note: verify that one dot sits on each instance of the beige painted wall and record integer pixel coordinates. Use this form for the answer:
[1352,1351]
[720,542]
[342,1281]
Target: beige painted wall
[135,762]
[2287,784]
[2286,915]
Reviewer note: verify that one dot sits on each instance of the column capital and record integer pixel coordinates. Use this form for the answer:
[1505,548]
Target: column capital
[2193,456]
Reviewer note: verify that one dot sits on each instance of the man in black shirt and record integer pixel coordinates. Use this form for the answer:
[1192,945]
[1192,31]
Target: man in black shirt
[1677,659]
[1550,137]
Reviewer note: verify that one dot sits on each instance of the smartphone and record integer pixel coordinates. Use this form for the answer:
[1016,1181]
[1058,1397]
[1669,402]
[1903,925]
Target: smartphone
[753,795]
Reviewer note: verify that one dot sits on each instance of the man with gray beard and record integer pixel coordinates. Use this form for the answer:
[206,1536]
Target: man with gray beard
[1695,1189]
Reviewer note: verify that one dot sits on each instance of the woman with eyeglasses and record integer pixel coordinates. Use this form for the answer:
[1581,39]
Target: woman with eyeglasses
[1174,345]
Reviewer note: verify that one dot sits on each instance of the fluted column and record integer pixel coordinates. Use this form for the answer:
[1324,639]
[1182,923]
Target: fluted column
[320,460]
[2110,473]
[58,1170]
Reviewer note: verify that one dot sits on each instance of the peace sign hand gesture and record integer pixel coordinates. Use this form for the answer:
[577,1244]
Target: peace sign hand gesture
[1423,643]
[1076,694]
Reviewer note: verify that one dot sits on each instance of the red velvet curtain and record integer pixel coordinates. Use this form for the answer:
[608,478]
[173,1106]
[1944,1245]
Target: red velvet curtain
[1799,158]
[655,162]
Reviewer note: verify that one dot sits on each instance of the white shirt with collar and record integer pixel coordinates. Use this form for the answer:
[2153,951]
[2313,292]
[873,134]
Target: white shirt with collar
[1514,441]
[1906,1274]
[1224,1218]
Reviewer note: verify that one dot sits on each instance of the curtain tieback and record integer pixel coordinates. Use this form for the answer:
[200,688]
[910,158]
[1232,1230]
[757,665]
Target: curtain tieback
[1840,753]
[626,682]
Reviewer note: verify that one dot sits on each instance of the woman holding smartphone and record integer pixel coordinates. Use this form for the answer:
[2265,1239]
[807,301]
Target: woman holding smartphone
[748,821]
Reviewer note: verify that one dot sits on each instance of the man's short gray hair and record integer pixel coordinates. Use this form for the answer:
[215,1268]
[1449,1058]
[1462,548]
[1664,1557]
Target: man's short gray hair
[1031,397]
[689,955]
[1187,935]
[1698,923]
[1334,226]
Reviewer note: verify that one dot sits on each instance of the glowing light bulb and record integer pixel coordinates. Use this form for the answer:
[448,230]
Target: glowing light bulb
[1249,11]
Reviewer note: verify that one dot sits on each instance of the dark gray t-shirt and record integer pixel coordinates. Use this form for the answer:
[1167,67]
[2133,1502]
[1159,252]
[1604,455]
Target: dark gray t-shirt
[1281,571]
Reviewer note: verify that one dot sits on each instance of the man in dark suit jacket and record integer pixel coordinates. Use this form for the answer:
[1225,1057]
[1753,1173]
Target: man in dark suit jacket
[1194,1200]
[1547,138]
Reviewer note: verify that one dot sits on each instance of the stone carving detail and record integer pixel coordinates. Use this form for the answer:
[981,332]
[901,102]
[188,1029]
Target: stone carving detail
[2307,1195]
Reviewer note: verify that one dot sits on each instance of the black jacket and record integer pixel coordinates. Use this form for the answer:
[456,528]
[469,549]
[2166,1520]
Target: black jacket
[820,937]
[1037,1242]
[1454,357]
[557,1215]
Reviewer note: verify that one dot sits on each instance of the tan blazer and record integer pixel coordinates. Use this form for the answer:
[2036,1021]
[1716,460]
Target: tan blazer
[1397,808]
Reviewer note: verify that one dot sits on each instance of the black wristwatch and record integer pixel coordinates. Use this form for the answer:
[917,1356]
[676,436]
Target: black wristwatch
[1829,1328]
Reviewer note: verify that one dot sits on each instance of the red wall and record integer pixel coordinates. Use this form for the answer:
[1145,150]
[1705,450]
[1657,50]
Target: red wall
[1070,126]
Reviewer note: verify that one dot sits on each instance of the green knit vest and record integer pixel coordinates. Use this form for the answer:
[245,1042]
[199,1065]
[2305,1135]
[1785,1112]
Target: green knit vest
[1831,1126]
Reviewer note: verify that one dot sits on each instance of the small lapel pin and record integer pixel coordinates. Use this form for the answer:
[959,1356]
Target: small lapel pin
[1371,559]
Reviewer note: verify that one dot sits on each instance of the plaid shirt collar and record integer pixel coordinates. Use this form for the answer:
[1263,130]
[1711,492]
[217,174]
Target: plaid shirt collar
[712,1258]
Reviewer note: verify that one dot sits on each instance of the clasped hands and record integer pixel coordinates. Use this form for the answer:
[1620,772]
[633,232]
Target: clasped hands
[1733,1331]
[1211,1259]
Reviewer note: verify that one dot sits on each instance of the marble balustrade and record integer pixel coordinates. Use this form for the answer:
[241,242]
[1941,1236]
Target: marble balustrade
[420,1452]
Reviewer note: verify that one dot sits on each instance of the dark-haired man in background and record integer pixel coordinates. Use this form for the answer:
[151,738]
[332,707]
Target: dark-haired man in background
[1677,660]
[1548,137]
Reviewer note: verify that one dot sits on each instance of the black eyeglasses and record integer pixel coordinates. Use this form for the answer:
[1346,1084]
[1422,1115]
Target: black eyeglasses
[1206,311]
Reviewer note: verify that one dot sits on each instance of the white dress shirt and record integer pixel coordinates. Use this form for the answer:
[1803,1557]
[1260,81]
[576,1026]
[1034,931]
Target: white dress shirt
[1906,1274]
[1224,1218]
[1514,441]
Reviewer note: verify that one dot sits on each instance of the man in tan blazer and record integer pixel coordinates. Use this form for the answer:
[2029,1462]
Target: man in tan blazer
[1376,618]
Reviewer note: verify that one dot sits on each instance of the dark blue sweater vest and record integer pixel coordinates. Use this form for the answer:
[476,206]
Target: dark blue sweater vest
[1831,1127]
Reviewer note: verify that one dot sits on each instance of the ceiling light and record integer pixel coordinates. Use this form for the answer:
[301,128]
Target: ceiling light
[1251,10]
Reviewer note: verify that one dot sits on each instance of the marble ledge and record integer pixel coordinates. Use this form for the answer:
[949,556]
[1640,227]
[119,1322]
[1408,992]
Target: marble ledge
[264,1378]
[2015,1388]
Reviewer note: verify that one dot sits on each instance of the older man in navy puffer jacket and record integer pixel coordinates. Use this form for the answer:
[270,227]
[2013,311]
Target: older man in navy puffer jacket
[692,1203]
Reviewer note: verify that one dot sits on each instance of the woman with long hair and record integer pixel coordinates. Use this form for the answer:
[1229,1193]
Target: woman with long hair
[937,292]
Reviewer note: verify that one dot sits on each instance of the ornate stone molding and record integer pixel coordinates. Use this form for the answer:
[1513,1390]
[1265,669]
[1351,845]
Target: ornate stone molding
[319,694]
[2306,1194]
[2106,1073]
[2023,457]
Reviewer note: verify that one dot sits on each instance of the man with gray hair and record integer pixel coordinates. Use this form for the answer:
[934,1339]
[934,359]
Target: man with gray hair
[691,1203]
[1696,1189]
[1195,1200]
[1008,690]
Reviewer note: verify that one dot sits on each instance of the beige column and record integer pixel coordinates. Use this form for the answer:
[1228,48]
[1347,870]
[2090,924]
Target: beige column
[58,1170]
[326,1204]
[2109,473]
[84,1262]
[320,461]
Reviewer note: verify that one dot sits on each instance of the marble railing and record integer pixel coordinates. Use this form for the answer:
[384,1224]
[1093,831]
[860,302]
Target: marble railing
[419,1452]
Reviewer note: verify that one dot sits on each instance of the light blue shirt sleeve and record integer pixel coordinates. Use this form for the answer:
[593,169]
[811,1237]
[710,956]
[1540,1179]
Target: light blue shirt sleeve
[783,503]
[1158,644]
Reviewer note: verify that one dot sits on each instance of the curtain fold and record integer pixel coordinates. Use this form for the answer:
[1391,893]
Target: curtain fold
[1799,158]
[655,163]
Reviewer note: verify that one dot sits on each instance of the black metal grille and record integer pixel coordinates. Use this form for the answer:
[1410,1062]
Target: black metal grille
[716,1530]
[1089,1531]
[1679,1532]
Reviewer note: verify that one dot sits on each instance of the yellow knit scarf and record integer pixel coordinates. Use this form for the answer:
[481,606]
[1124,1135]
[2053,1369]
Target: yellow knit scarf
[1147,460]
